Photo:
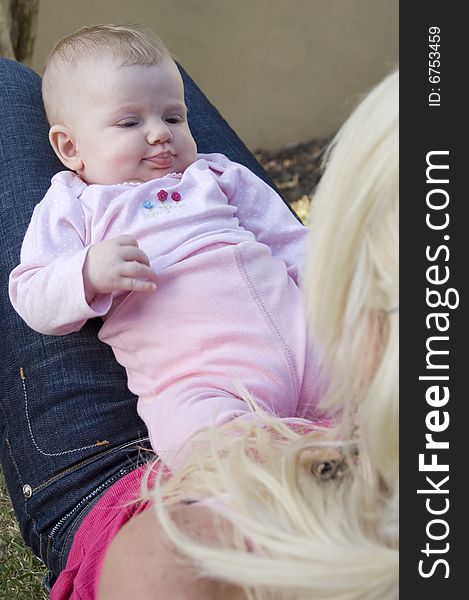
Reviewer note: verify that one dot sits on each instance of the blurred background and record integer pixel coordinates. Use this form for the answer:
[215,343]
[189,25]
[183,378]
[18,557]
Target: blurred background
[280,71]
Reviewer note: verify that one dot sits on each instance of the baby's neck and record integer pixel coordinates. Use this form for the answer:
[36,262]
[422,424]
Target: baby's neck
[131,182]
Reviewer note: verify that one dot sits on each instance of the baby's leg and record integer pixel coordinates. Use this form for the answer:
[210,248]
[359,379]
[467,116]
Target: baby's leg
[312,387]
[219,322]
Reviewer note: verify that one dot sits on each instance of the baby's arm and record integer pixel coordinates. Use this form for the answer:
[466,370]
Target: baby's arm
[48,287]
[265,214]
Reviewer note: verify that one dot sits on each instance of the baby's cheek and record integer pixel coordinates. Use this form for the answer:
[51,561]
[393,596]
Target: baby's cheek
[110,169]
[119,166]
[119,159]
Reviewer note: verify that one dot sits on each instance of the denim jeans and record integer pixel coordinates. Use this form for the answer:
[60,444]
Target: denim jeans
[68,424]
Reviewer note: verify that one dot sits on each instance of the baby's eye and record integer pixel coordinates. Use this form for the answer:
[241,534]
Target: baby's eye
[173,119]
[127,124]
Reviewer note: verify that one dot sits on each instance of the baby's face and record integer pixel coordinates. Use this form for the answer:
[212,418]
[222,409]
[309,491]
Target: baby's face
[131,123]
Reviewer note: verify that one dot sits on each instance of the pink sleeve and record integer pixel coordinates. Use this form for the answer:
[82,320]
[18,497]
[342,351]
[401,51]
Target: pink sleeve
[265,214]
[46,288]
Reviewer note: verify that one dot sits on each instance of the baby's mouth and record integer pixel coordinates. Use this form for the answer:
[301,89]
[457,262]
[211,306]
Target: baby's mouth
[163,160]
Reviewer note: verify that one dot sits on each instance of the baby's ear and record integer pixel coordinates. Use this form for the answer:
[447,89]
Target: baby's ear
[64,146]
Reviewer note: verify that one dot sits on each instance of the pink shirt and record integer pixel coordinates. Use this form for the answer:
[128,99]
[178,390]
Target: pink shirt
[213,201]
[80,578]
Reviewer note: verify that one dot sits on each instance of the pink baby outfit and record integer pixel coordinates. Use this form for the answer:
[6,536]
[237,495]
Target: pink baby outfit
[227,311]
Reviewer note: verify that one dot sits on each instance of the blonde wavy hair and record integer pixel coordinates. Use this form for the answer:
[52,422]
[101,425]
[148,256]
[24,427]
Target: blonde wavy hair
[314,514]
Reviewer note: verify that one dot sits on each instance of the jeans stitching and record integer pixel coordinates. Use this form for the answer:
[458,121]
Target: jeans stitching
[85,462]
[20,479]
[8,444]
[62,522]
[71,529]
[36,445]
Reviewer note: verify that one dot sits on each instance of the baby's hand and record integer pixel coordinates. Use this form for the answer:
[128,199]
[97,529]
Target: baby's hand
[117,264]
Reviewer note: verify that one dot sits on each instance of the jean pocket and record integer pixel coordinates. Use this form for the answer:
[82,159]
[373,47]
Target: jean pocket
[64,416]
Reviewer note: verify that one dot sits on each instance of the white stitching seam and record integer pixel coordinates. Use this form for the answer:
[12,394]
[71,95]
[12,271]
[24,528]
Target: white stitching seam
[25,394]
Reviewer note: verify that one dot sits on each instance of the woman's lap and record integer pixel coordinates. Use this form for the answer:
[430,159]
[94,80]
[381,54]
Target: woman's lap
[68,423]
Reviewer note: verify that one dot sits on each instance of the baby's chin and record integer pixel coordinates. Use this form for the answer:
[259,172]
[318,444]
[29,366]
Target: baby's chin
[178,166]
[121,180]
[139,176]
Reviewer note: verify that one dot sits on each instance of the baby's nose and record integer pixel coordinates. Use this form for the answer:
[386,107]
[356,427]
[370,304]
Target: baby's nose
[159,134]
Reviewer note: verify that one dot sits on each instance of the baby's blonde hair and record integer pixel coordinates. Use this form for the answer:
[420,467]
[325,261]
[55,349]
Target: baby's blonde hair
[314,514]
[125,44]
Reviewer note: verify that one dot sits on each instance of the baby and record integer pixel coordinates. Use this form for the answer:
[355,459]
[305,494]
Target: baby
[192,261]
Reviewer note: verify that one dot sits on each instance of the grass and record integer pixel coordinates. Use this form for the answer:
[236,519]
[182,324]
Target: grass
[21,573]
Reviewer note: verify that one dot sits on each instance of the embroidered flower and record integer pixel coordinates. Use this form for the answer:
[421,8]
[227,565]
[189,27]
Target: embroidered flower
[176,196]
[148,204]
[162,195]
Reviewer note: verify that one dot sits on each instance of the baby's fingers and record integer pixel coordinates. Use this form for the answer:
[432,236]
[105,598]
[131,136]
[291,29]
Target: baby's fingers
[137,285]
[134,253]
[137,277]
